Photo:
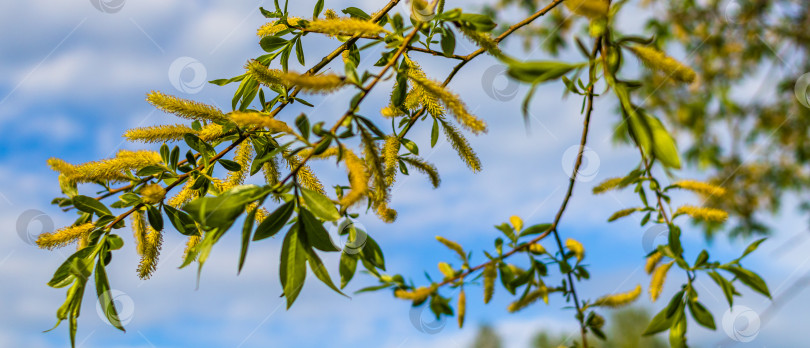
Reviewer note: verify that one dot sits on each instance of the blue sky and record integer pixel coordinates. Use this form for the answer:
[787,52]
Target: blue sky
[73,78]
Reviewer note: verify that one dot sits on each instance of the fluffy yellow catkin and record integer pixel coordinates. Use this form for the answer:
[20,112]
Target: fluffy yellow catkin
[345,26]
[588,8]
[139,231]
[451,245]
[154,240]
[390,158]
[153,193]
[273,28]
[184,108]
[111,169]
[385,213]
[483,40]
[247,119]
[190,244]
[462,308]
[703,213]
[243,156]
[620,299]
[416,295]
[541,292]
[652,261]
[575,247]
[490,273]
[701,187]
[323,83]
[211,132]
[64,236]
[607,185]
[159,134]
[657,280]
[59,165]
[452,102]
[330,14]
[358,179]
[266,76]
[516,222]
[417,97]
[460,144]
[425,168]
[184,196]
[305,175]
[659,61]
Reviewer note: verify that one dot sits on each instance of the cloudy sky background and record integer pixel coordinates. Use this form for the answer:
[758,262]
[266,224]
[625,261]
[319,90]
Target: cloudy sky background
[73,78]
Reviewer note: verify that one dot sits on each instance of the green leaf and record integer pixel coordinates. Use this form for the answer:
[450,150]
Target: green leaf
[535,229]
[317,11]
[663,144]
[273,223]
[348,266]
[701,315]
[90,205]
[317,236]
[181,221]
[659,323]
[320,205]
[677,332]
[434,133]
[231,166]
[320,271]
[752,247]
[105,298]
[538,71]
[299,51]
[150,170]
[62,277]
[355,12]
[154,217]
[372,253]
[410,145]
[448,43]
[114,242]
[246,229]
[674,240]
[751,279]
[479,21]
[292,268]
[221,211]
[272,43]
[723,283]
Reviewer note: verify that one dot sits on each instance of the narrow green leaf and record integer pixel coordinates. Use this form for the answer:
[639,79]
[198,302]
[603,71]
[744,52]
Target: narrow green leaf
[90,205]
[246,229]
[292,268]
[348,266]
[273,223]
[317,236]
[320,205]
[702,315]
[105,298]
[320,271]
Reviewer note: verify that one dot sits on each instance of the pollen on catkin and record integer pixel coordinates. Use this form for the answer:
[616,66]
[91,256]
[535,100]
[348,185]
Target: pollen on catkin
[460,144]
[462,307]
[243,156]
[266,76]
[305,175]
[659,61]
[247,119]
[483,40]
[701,187]
[607,185]
[620,299]
[588,8]
[452,102]
[272,28]
[330,14]
[657,280]
[211,132]
[516,222]
[390,158]
[345,26]
[64,236]
[416,295]
[153,193]
[703,213]
[111,169]
[576,247]
[426,168]
[184,108]
[159,134]
[139,230]
[148,264]
[541,292]
[185,195]
[323,83]
[358,179]
[652,261]
[490,273]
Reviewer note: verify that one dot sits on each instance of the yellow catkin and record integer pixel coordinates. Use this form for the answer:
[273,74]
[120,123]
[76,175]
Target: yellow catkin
[111,169]
[576,247]
[139,230]
[620,299]
[607,185]
[588,8]
[541,292]
[190,244]
[358,179]
[462,308]
[659,61]
[703,213]
[426,168]
[149,259]
[211,132]
[537,249]
[516,222]
[185,195]
[266,76]
[385,213]
[152,193]
[323,83]
[416,295]
[159,134]
[462,147]
[483,40]
[330,14]
[64,236]
[490,273]
[446,270]
[345,26]
[272,28]
[184,108]
[60,165]
[452,102]
[248,119]
[305,175]
[271,173]
[622,213]
[417,97]
[657,280]
[243,156]
[652,261]
[451,245]
[701,187]
[391,112]
[390,158]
